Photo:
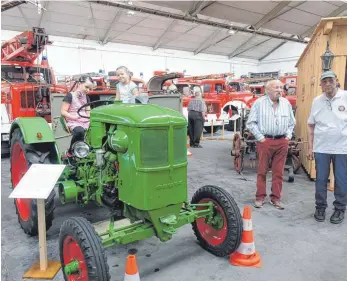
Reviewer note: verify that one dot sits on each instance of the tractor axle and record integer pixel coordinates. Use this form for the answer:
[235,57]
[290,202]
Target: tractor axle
[166,226]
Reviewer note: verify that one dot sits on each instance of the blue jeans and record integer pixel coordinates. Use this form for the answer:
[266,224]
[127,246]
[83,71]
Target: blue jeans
[322,174]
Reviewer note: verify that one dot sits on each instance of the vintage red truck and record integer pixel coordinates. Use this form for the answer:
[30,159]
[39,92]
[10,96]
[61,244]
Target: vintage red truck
[26,86]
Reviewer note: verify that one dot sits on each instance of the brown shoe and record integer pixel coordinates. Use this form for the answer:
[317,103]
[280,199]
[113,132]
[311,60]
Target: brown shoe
[278,204]
[258,203]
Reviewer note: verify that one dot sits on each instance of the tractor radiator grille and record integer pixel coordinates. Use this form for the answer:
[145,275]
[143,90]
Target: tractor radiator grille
[154,147]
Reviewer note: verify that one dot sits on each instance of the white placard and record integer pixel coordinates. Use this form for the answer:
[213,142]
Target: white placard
[38,181]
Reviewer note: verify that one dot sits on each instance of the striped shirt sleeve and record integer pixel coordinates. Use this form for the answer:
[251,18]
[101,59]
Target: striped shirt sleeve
[292,122]
[252,122]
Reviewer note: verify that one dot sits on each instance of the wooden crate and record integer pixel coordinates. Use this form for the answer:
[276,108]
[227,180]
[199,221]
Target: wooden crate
[309,67]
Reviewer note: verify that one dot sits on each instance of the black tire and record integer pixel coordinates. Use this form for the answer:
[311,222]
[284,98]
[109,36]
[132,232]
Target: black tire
[215,129]
[233,220]
[34,154]
[89,243]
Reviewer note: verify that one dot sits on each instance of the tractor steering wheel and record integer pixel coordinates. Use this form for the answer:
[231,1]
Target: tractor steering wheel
[98,102]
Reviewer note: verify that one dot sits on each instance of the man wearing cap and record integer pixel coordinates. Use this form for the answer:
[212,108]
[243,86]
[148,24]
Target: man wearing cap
[327,141]
[271,121]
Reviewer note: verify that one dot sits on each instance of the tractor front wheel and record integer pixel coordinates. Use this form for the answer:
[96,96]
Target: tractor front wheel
[22,157]
[82,255]
[221,234]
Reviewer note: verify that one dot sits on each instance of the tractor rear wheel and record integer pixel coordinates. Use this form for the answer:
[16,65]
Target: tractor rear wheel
[82,255]
[222,235]
[22,157]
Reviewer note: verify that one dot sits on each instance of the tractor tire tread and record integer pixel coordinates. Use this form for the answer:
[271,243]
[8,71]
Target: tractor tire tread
[91,246]
[233,216]
[34,156]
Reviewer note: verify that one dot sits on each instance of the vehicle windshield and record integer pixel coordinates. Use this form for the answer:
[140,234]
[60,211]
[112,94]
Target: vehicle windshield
[238,87]
[15,73]
[256,90]
[190,86]
[291,91]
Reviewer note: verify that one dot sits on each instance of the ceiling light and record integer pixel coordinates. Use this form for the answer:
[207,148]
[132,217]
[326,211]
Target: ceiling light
[130,13]
[231,31]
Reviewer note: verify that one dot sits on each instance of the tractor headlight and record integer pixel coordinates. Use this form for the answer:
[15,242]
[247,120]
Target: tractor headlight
[81,149]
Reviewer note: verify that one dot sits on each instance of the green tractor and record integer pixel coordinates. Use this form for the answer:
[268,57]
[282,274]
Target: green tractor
[133,162]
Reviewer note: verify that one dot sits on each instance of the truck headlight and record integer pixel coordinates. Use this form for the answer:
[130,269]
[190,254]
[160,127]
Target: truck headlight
[81,149]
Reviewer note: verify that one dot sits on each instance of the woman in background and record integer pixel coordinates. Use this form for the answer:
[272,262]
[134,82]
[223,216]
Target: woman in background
[126,90]
[196,117]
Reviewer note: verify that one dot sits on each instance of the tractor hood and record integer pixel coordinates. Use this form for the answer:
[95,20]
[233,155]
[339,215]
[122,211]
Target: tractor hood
[155,84]
[137,115]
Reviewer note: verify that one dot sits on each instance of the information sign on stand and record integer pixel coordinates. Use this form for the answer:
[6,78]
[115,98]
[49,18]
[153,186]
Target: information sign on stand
[38,183]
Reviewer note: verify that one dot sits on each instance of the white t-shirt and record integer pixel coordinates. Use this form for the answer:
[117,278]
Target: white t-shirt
[127,92]
[330,119]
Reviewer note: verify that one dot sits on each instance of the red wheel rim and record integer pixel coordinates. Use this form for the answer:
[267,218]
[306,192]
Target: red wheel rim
[212,235]
[18,169]
[72,252]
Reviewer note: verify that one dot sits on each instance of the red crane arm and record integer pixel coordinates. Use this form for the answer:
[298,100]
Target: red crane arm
[26,46]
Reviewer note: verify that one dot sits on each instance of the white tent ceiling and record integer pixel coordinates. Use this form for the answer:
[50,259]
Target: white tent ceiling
[195,26]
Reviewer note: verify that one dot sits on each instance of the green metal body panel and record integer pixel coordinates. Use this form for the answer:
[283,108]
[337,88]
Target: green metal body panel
[31,127]
[152,152]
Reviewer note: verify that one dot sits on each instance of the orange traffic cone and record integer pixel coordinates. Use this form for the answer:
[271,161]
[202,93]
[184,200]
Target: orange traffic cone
[246,255]
[188,146]
[131,271]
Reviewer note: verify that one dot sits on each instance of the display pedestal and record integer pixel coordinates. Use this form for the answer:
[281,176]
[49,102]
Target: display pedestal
[41,178]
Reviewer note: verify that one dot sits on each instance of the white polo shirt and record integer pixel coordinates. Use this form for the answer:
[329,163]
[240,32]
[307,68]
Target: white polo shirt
[330,119]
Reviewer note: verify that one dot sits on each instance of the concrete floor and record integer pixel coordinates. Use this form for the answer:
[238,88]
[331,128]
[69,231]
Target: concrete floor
[292,245]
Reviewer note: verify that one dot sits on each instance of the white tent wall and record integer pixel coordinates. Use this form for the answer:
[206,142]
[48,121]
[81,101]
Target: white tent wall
[70,56]
[283,59]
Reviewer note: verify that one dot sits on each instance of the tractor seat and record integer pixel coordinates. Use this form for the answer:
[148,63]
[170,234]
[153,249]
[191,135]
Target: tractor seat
[64,124]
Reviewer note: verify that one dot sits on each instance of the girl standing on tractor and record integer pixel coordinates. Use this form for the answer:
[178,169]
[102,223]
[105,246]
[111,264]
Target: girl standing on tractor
[126,89]
[71,103]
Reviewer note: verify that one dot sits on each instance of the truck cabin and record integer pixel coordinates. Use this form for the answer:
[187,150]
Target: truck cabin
[212,86]
[258,90]
[27,88]
[236,86]
[290,90]
[26,74]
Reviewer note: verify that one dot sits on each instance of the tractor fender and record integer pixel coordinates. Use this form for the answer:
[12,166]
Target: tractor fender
[34,129]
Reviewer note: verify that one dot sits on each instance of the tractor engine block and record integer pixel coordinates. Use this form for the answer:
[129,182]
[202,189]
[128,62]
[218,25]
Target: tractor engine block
[98,181]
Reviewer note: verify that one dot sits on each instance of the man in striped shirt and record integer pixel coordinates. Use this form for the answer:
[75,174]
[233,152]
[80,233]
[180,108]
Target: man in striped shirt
[271,121]
[196,117]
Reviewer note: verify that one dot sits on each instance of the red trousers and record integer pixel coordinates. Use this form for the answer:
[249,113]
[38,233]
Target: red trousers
[275,150]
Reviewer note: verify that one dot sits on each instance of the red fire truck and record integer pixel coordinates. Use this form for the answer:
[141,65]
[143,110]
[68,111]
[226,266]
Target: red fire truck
[26,86]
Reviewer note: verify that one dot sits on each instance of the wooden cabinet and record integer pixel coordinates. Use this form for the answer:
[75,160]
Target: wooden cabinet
[334,31]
